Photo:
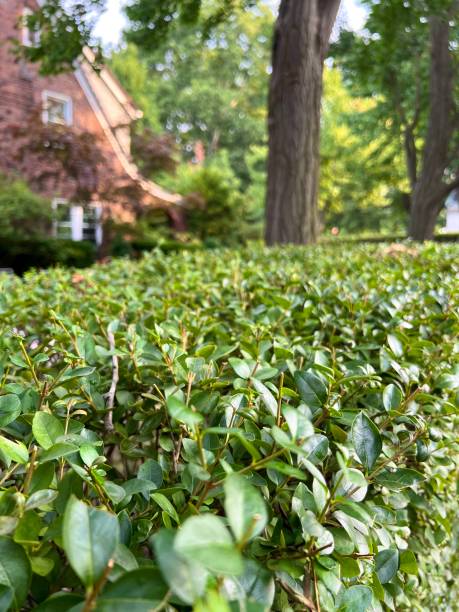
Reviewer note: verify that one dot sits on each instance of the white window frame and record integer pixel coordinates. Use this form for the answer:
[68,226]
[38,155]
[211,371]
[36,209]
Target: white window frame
[58,97]
[29,38]
[98,233]
[77,223]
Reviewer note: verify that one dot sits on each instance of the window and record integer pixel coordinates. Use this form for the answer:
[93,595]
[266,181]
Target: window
[77,222]
[30,38]
[57,108]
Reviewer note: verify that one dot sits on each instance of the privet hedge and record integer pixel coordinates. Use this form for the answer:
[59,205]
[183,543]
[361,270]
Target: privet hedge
[244,430]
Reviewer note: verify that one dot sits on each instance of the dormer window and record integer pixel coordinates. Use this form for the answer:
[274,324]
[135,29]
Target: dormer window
[30,38]
[57,108]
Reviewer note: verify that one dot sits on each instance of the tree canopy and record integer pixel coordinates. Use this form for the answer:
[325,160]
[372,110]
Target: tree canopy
[406,62]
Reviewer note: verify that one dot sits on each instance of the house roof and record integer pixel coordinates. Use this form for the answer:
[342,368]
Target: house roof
[114,86]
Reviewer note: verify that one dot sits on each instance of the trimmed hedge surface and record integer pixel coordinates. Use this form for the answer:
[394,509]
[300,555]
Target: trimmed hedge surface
[232,430]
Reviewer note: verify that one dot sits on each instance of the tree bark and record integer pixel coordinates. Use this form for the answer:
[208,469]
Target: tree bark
[300,45]
[430,190]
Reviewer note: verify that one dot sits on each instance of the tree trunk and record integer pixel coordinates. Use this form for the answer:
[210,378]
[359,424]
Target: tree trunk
[430,191]
[300,45]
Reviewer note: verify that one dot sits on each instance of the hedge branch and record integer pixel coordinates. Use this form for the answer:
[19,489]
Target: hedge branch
[108,421]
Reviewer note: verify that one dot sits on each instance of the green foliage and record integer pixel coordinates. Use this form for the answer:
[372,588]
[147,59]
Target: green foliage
[215,206]
[212,91]
[90,538]
[132,70]
[253,429]
[23,254]
[24,214]
[388,64]
[362,174]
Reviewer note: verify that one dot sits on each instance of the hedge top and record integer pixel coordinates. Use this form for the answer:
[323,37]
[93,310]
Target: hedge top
[237,430]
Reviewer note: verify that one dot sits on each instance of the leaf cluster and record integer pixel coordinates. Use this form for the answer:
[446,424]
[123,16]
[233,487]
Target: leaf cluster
[238,430]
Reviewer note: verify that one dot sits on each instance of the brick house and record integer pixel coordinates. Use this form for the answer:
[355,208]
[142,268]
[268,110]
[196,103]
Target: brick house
[84,102]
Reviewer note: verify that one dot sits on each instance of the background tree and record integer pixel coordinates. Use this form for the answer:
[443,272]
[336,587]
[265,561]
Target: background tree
[301,39]
[208,91]
[361,174]
[405,59]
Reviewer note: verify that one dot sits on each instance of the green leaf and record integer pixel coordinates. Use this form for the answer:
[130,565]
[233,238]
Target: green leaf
[312,528]
[180,411]
[395,345]
[42,477]
[186,578]
[267,397]
[257,584]
[90,538]
[241,367]
[408,563]
[14,451]
[298,422]
[357,598]
[386,563]
[80,372]
[7,525]
[40,499]
[282,438]
[28,530]
[114,491]
[245,508]
[321,494]
[392,397]
[57,451]
[316,448]
[399,479]
[88,454]
[205,539]
[285,468]
[166,505]
[351,483]
[140,589]
[41,565]
[15,572]
[10,409]
[46,429]
[312,389]
[137,485]
[367,440]
[449,381]
[349,567]
[151,470]
[6,597]
[60,602]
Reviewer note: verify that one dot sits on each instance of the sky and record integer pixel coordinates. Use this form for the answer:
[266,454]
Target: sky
[112,21]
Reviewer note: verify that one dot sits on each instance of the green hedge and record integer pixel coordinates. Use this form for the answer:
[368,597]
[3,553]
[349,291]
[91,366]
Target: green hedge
[382,238]
[235,430]
[22,255]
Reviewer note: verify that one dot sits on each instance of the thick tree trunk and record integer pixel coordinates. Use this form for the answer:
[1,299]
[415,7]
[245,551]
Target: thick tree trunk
[430,191]
[301,41]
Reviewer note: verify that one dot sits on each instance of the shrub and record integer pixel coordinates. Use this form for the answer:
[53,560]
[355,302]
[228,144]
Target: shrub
[236,430]
[215,205]
[21,255]
[24,214]
[150,232]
